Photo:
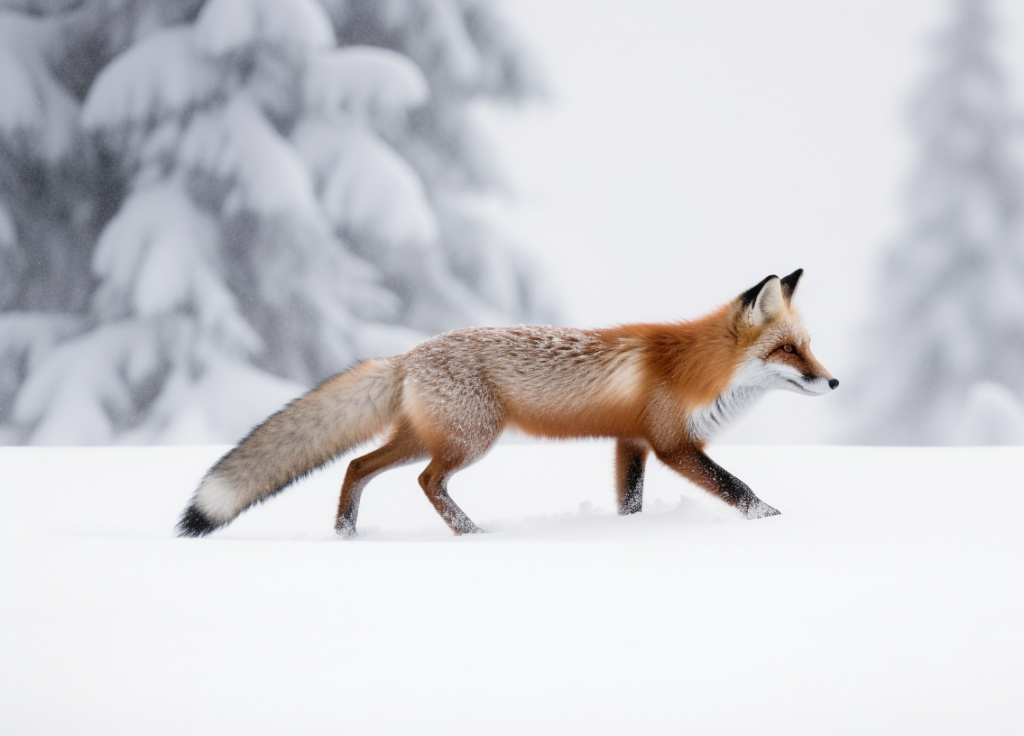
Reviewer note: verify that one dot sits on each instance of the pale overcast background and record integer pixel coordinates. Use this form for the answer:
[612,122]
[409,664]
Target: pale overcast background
[688,149]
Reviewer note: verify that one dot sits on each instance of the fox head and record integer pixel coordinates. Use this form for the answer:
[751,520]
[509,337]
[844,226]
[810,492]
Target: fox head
[777,348]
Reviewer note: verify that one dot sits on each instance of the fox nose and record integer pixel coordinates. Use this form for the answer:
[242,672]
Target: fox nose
[834,383]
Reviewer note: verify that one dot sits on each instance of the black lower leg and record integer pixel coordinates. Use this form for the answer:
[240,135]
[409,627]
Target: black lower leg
[692,463]
[630,461]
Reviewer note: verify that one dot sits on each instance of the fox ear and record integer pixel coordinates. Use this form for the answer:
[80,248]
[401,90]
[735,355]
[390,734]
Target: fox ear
[762,303]
[789,284]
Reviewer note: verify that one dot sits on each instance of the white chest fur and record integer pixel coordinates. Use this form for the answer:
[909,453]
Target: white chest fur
[753,379]
[730,404]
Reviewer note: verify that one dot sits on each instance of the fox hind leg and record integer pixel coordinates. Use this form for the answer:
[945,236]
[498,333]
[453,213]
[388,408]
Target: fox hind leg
[459,417]
[630,461]
[402,449]
[434,481]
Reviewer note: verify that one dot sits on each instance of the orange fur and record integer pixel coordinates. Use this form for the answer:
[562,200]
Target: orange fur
[696,359]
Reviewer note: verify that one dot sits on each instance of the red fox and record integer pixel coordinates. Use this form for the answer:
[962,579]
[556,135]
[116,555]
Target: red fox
[666,388]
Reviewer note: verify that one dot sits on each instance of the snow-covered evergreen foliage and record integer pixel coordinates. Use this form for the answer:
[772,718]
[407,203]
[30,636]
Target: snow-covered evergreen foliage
[950,307]
[207,205]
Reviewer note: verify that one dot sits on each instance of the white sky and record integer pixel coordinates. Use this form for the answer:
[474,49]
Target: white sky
[690,148]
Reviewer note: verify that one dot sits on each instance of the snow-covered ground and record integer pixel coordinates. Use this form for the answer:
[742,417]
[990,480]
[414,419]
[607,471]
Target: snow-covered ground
[886,599]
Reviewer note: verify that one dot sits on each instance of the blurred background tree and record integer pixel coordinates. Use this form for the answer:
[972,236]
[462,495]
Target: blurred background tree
[208,206]
[945,350]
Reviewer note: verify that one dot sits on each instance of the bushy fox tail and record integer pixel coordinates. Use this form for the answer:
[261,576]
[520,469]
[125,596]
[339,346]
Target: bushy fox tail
[344,411]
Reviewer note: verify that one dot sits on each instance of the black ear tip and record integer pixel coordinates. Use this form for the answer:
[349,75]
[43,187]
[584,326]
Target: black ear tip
[789,283]
[750,295]
[795,276]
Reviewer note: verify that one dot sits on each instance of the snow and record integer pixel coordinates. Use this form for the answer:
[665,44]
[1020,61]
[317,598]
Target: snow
[236,26]
[228,399]
[441,34]
[886,599]
[35,107]
[157,255]
[8,233]
[26,338]
[11,260]
[361,79]
[78,385]
[236,144]
[364,185]
[31,335]
[161,76]
[383,339]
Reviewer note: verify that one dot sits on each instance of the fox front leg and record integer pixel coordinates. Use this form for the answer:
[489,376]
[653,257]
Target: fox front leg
[630,460]
[691,462]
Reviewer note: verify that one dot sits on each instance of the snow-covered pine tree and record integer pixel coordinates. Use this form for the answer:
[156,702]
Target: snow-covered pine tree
[466,53]
[47,167]
[263,226]
[950,307]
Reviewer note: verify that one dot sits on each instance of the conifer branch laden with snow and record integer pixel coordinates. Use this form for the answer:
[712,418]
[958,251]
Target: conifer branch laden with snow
[947,343]
[251,195]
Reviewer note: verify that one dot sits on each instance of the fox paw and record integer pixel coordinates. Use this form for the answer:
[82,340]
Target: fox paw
[465,526]
[463,530]
[758,509]
[345,528]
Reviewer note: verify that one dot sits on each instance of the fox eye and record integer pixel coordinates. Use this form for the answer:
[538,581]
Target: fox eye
[789,348]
